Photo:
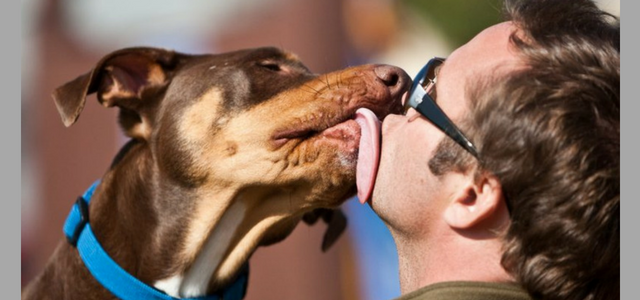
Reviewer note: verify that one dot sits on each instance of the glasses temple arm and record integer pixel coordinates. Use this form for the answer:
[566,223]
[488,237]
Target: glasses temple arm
[428,108]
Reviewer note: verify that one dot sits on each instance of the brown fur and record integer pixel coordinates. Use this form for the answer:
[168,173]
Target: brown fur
[242,131]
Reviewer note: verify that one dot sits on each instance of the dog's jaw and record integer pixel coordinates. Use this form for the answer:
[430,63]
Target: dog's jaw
[214,258]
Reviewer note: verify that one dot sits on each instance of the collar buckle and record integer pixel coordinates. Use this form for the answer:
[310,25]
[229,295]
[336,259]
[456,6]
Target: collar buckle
[82,208]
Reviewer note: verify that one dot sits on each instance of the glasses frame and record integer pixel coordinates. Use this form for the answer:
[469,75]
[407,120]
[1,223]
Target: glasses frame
[421,100]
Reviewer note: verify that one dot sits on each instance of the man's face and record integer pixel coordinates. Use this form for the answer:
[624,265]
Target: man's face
[407,196]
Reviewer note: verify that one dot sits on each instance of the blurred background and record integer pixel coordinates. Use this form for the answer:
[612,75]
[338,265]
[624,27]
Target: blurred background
[62,39]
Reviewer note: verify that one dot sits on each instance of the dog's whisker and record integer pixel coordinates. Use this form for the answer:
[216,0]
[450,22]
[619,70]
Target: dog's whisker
[307,90]
[313,89]
[328,84]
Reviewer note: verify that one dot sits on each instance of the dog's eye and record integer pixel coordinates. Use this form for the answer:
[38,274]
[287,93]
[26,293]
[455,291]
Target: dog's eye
[270,66]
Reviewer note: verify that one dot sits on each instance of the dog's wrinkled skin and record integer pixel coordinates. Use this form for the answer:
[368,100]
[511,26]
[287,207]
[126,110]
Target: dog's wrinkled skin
[228,153]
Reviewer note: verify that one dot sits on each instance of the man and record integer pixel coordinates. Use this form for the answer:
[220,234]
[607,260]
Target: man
[520,199]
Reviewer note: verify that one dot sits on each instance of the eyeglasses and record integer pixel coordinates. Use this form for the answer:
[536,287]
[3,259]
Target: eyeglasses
[421,99]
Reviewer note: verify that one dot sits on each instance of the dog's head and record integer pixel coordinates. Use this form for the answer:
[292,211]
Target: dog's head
[254,126]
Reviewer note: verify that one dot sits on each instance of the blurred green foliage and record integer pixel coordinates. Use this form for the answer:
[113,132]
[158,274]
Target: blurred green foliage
[459,20]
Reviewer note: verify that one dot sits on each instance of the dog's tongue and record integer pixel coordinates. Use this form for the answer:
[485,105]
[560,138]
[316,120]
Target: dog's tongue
[369,153]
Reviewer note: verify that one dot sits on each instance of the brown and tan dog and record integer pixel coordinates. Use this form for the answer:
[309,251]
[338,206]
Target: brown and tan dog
[228,152]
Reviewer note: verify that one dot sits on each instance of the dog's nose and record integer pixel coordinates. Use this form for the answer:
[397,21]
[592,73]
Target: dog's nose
[393,77]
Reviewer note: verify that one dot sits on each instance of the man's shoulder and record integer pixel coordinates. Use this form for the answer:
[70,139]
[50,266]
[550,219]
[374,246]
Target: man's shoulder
[468,290]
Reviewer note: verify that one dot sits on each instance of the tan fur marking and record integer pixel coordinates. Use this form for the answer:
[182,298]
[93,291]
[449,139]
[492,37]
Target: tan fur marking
[115,91]
[141,130]
[198,119]
[262,213]
[291,56]
[239,254]
[232,148]
[208,214]
[156,75]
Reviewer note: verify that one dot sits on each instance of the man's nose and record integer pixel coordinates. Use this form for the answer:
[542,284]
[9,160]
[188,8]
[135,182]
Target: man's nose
[391,122]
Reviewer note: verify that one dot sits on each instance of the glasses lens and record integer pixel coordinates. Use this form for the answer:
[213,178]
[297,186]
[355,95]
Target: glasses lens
[423,83]
[431,76]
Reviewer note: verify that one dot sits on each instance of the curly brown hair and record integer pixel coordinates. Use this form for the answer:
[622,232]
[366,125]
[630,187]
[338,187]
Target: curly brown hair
[551,134]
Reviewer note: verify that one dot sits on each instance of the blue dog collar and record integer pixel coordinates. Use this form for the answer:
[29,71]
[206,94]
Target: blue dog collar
[114,278]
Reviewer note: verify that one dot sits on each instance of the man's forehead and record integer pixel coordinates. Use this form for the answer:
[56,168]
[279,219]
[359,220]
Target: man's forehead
[490,50]
[489,53]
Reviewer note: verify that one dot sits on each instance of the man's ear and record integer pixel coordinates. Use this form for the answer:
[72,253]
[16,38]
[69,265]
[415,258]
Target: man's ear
[122,78]
[475,200]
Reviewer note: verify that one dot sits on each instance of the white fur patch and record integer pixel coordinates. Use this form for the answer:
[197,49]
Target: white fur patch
[171,285]
[194,282]
[198,276]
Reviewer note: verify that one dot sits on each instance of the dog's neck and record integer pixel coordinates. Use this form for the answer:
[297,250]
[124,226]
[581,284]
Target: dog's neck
[185,243]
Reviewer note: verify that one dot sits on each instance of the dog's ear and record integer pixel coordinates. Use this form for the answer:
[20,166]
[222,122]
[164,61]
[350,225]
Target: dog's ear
[336,224]
[124,78]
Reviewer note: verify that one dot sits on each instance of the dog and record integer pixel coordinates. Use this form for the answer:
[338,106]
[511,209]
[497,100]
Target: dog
[227,152]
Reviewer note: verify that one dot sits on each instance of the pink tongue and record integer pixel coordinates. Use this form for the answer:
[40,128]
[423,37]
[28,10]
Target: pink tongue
[369,153]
